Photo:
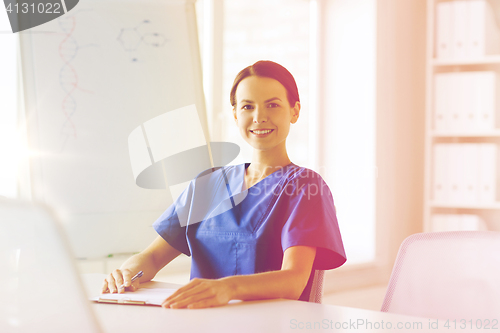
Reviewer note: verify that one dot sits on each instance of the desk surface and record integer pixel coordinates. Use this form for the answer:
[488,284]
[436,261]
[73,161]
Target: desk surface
[255,316]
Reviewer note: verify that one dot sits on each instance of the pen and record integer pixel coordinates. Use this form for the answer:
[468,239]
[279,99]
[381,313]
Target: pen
[135,277]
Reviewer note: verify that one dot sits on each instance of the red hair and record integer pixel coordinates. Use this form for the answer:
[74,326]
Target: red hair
[272,70]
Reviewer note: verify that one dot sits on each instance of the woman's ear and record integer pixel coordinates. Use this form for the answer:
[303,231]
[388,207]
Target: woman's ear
[295,112]
[234,115]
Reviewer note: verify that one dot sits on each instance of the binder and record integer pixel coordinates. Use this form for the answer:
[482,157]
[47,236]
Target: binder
[465,101]
[439,222]
[457,222]
[488,176]
[441,175]
[483,95]
[455,102]
[466,29]
[458,98]
[455,173]
[443,30]
[442,97]
[483,35]
[460,26]
[472,222]
[477,33]
[469,101]
[469,180]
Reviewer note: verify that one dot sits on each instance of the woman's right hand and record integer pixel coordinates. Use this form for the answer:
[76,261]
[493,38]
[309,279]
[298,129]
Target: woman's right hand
[117,279]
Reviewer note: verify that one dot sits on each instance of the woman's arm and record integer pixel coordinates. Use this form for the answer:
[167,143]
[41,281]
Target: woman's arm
[289,282]
[150,261]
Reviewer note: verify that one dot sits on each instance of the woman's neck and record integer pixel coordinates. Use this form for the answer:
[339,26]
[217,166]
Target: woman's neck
[265,163]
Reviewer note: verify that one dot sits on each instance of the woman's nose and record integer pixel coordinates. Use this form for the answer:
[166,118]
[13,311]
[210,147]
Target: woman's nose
[260,116]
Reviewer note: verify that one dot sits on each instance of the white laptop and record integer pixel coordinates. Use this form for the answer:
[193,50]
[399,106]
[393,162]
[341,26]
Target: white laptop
[40,287]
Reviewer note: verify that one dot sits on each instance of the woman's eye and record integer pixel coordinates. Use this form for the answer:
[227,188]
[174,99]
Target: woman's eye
[247,107]
[273,105]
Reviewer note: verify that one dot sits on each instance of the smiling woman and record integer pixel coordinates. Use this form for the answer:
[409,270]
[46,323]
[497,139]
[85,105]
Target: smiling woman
[269,234]
[270,118]
[265,102]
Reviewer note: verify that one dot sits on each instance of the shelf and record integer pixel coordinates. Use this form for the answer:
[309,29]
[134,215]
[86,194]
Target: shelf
[495,205]
[433,136]
[492,59]
[489,134]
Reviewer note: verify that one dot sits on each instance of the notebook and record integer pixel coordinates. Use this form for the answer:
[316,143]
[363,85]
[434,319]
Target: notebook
[40,286]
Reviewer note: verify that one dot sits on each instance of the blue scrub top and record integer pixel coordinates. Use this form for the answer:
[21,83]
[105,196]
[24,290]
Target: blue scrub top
[245,231]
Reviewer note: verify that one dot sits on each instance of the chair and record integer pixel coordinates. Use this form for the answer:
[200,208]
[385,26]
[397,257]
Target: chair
[447,275]
[316,294]
[40,287]
[313,292]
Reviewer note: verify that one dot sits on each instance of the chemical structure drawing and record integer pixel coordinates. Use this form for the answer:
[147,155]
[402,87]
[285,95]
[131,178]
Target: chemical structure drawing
[132,39]
[68,77]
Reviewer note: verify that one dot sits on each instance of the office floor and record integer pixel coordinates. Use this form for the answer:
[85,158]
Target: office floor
[366,298]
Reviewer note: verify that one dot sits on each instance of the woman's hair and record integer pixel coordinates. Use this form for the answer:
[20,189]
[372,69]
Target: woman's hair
[272,70]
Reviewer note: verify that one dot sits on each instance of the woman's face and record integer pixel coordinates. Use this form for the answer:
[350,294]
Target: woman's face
[263,114]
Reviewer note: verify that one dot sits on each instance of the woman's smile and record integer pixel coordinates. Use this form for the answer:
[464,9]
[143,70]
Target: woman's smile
[261,133]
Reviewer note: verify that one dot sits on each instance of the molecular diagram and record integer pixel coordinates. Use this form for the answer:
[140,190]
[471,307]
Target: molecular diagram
[132,39]
[69,79]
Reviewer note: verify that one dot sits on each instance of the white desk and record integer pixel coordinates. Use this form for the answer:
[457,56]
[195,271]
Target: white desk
[255,316]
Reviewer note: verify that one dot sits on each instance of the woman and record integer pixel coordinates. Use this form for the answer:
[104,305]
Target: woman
[267,225]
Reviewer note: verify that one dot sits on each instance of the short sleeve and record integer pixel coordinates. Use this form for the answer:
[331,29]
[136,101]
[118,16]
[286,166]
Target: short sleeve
[169,227]
[312,220]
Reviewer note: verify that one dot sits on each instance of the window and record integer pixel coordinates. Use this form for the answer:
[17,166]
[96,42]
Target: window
[276,30]
[329,47]
[9,150]
[348,97]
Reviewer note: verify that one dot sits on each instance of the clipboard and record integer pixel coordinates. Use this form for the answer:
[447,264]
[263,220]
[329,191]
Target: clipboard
[125,301]
[143,296]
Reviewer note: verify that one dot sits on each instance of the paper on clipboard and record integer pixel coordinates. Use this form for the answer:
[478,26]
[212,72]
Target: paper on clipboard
[143,296]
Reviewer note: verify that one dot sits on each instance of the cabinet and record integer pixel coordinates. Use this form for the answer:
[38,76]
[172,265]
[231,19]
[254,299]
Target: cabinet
[462,138]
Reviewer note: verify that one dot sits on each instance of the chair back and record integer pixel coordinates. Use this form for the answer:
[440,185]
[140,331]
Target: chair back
[313,292]
[447,275]
[40,286]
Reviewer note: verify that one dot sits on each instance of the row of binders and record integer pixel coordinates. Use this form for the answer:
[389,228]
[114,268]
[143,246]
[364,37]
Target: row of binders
[465,101]
[465,173]
[457,222]
[466,29]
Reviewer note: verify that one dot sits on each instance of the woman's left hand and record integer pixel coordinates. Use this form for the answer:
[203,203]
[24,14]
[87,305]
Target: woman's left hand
[200,293]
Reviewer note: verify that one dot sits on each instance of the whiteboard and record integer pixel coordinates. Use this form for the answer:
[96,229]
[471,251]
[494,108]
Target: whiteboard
[89,78]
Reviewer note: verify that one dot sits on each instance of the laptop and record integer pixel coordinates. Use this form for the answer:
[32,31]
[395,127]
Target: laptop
[40,287]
